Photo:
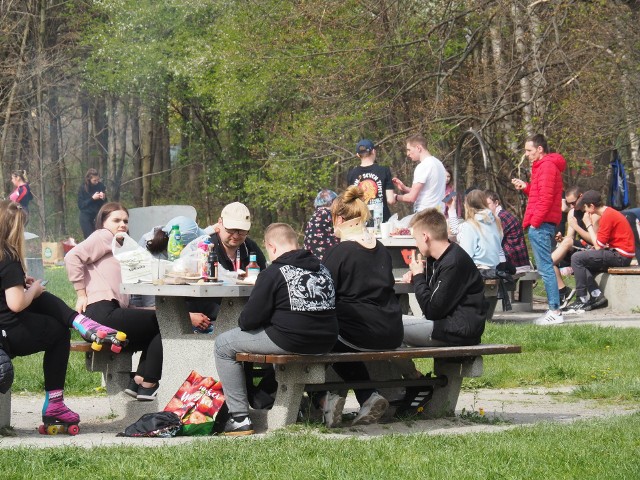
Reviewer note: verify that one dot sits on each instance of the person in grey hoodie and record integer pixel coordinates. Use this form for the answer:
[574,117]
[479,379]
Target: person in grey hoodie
[480,235]
[291,310]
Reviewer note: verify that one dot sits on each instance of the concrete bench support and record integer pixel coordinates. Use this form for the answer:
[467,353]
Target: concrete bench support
[621,290]
[115,370]
[5,409]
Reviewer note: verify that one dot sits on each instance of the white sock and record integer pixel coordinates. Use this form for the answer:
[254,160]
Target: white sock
[596,293]
[584,299]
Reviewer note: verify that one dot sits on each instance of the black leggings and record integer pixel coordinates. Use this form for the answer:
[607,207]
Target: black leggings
[143,333]
[44,327]
[353,372]
[87,223]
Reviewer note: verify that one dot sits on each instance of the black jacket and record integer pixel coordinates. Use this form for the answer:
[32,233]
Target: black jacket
[86,204]
[247,247]
[453,298]
[294,301]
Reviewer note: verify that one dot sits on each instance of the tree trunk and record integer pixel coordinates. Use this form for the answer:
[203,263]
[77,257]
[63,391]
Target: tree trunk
[137,151]
[521,47]
[56,180]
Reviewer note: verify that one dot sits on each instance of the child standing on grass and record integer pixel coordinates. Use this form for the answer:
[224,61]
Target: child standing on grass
[33,320]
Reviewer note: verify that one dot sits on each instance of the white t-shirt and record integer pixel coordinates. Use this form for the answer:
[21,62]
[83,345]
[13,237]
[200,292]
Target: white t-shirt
[431,173]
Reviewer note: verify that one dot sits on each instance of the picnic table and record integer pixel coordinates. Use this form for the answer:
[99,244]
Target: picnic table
[183,350]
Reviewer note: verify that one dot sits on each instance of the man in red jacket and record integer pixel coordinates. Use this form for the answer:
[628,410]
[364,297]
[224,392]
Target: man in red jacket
[543,214]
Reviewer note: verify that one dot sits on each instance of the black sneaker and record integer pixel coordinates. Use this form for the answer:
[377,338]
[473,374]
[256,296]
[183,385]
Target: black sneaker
[577,307]
[597,302]
[237,426]
[147,394]
[132,389]
[566,295]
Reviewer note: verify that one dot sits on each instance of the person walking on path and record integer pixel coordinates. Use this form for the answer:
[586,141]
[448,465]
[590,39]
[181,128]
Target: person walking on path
[543,214]
[91,197]
[429,178]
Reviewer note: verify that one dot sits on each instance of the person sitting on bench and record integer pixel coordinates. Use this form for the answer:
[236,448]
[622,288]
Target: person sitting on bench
[452,299]
[291,310]
[614,246]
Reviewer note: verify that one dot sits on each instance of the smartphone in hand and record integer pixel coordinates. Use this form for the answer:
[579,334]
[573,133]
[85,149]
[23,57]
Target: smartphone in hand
[448,198]
[44,282]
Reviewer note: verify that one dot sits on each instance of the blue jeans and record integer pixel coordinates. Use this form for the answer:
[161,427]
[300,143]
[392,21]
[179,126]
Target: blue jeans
[541,240]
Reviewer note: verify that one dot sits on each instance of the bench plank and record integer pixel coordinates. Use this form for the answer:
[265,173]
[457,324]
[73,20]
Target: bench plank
[400,353]
[631,270]
[81,347]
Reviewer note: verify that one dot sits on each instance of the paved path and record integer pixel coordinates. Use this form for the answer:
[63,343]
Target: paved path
[505,408]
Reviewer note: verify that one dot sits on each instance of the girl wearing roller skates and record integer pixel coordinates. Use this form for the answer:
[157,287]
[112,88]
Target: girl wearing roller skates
[96,277]
[33,320]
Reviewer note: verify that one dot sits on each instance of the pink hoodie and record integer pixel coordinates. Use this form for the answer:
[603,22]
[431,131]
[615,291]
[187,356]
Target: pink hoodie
[92,266]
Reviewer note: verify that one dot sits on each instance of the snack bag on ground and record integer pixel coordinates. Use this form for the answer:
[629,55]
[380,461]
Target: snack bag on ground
[197,403]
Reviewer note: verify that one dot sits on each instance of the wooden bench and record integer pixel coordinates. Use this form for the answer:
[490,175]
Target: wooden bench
[297,373]
[115,370]
[620,286]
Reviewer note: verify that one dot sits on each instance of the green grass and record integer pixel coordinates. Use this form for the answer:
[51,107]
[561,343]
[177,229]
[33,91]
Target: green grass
[595,449]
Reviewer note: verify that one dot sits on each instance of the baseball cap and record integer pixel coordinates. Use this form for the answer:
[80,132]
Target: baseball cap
[236,216]
[189,229]
[590,196]
[364,146]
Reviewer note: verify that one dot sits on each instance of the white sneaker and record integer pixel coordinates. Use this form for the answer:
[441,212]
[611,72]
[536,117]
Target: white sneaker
[549,318]
[371,410]
[332,410]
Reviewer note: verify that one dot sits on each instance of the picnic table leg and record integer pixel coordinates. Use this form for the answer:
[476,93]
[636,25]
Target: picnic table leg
[291,381]
[444,400]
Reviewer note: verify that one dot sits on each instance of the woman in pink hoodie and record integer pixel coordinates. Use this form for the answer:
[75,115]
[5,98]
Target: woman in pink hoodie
[96,277]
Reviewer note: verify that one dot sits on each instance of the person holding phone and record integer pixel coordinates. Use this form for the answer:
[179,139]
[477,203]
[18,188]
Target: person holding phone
[33,320]
[91,197]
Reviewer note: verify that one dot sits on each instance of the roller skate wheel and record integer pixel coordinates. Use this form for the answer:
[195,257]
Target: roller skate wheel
[121,336]
[96,346]
[53,429]
[73,429]
[116,348]
[42,430]
[101,333]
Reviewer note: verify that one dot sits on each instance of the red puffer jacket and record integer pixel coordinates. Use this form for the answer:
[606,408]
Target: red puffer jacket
[545,191]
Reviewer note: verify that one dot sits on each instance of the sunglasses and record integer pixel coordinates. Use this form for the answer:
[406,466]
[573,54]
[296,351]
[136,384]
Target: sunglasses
[235,231]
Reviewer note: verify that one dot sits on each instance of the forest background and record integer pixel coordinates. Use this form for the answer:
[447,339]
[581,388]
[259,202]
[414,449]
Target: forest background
[205,102]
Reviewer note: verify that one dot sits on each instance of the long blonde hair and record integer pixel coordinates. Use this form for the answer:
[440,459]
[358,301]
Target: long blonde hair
[12,220]
[475,202]
[350,204]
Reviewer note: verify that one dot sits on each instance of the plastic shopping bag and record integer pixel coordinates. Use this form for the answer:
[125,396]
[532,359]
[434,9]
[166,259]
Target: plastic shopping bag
[198,403]
[135,261]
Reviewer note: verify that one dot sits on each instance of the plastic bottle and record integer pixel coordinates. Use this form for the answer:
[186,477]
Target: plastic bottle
[212,263]
[253,269]
[174,246]
[203,248]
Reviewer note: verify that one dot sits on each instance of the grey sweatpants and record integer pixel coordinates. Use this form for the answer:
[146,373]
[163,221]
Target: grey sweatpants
[417,333]
[231,372]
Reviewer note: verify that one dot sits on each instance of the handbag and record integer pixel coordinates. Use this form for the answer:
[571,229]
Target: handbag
[199,403]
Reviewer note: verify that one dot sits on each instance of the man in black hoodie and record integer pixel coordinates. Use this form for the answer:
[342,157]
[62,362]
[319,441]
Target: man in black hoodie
[452,298]
[291,310]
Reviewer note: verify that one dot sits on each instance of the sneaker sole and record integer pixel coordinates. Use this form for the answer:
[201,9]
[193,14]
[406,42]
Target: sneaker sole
[131,393]
[146,398]
[338,407]
[373,415]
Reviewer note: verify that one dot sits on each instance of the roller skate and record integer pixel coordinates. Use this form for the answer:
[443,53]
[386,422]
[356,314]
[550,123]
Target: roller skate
[99,334]
[57,417]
